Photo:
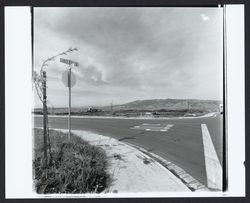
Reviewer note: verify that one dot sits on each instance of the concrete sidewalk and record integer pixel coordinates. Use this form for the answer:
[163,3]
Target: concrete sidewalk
[131,170]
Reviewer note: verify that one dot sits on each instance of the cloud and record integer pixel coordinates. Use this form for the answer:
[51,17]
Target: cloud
[91,75]
[205,17]
[132,53]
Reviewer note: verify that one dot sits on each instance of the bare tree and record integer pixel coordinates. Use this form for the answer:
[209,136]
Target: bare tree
[40,84]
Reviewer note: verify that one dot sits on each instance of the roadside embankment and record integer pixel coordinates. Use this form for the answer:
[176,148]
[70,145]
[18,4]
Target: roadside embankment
[72,167]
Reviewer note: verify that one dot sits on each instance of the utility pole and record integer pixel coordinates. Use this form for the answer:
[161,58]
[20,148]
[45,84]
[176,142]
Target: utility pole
[111,108]
[44,118]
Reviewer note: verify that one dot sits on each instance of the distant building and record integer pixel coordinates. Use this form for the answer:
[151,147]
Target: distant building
[221,108]
[93,110]
[149,114]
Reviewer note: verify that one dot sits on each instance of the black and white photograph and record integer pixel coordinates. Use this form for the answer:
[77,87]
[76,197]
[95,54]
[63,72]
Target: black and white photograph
[129,102]
[128,95]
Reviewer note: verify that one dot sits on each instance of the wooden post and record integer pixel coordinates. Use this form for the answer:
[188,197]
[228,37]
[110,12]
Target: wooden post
[44,119]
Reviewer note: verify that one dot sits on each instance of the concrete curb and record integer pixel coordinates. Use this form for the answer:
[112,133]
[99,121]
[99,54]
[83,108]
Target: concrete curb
[131,169]
[139,118]
[187,179]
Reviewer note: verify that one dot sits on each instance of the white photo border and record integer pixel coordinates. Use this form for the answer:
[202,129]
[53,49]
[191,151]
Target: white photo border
[19,100]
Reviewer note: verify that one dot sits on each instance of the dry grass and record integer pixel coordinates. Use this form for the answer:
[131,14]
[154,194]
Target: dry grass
[74,167]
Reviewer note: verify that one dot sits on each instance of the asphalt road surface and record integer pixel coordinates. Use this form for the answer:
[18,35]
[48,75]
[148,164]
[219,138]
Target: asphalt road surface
[177,140]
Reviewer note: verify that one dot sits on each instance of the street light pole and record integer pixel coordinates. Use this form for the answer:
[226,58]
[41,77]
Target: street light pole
[40,85]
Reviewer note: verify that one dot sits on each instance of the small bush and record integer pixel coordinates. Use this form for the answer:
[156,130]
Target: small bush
[74,167]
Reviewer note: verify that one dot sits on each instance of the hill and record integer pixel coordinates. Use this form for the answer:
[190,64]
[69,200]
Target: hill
[171,104]
[140,106]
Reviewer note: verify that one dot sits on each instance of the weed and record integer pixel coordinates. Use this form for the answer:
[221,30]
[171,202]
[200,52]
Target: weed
[118,157]
[75,166]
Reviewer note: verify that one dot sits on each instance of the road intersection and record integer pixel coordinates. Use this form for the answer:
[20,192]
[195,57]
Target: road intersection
[180,141]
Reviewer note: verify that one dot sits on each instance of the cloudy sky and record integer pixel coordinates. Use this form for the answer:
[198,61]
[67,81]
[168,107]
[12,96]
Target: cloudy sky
[127,54]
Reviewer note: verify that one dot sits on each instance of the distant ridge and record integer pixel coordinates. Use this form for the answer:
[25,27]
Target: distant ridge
[153,105]
[171,104]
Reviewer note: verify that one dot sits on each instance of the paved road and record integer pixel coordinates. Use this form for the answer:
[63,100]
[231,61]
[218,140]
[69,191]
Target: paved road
[180,142]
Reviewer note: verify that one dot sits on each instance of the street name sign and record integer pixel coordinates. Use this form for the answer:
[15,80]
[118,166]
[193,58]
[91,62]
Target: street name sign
[69,62]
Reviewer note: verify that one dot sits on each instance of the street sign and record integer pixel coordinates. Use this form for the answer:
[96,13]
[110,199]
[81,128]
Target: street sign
[69,62]
[66,78]
[69,80]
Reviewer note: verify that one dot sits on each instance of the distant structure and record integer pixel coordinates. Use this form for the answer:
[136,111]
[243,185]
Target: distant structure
[93,110]
[148,114]
[111,108]
[221,108]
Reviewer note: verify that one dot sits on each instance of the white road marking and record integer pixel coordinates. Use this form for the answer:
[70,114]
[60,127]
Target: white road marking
[169,126]
[153,124]
[153,127]
[213,166]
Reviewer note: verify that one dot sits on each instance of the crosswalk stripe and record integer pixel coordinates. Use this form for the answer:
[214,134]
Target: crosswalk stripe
[213,166]
[153,127]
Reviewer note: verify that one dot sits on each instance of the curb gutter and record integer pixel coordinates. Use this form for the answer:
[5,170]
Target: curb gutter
[193,184]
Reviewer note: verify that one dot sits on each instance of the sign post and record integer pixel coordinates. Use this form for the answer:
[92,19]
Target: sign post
[69,119]
[69,80]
